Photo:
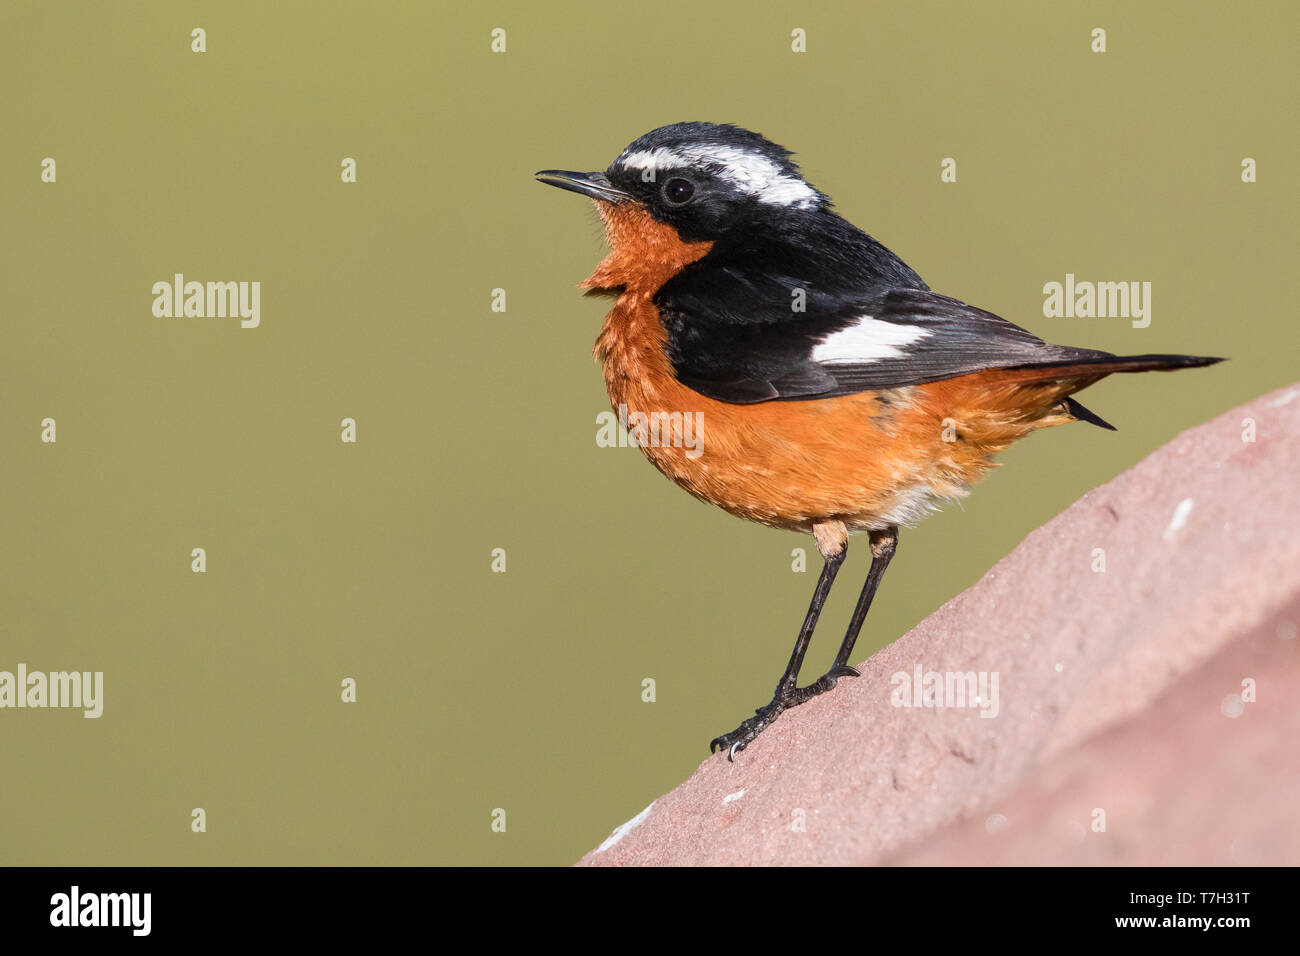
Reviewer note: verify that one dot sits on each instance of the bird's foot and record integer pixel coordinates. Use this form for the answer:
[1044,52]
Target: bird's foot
[764,717]
[739,739]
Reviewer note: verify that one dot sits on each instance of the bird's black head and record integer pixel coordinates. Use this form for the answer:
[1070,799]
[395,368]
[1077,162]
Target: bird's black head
[704,179]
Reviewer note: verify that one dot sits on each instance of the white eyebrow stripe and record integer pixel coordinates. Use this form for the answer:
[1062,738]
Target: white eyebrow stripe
[749,172]
[867,340]
[660,158]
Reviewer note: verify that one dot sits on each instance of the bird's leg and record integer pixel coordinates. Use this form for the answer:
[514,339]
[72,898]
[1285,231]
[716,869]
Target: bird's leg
[883,545]
[832,541]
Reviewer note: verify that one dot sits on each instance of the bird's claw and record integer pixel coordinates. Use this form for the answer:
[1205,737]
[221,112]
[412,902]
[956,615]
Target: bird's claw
[740,738]
[765,716]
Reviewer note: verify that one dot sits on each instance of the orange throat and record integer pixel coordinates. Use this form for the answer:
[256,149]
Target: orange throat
[644,253]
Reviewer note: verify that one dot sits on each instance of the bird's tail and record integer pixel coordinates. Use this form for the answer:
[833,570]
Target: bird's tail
[1100,363]
[1051,383]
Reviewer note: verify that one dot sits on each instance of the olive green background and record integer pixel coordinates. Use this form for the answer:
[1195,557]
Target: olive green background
[477,429]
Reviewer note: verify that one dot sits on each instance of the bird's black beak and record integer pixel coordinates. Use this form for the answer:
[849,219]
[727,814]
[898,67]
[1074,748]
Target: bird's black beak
[595,185]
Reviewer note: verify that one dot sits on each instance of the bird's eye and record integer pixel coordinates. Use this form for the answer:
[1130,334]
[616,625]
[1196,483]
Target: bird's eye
[678,191]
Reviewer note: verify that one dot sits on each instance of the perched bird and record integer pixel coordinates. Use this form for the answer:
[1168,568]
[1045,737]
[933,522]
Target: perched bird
[833,391]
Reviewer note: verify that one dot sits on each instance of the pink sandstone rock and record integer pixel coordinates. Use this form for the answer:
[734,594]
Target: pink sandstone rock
[1147,713]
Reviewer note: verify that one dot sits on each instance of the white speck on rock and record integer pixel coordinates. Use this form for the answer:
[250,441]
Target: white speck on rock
[732,797]
[1232,705]
[625,829]
[1285,398]
[995,823]
[1179,519]
[1059,668]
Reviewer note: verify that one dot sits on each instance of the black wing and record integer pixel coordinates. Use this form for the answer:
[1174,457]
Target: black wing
[736,334]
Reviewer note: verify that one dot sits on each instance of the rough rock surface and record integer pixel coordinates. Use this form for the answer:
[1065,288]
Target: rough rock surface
[1152,716]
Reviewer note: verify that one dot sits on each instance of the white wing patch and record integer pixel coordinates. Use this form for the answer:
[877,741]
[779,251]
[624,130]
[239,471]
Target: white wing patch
[867,340]
[751,173]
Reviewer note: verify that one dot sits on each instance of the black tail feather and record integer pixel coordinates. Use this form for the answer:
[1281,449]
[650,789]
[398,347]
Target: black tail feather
[1136,363]
[1085,415]
[1108,364]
